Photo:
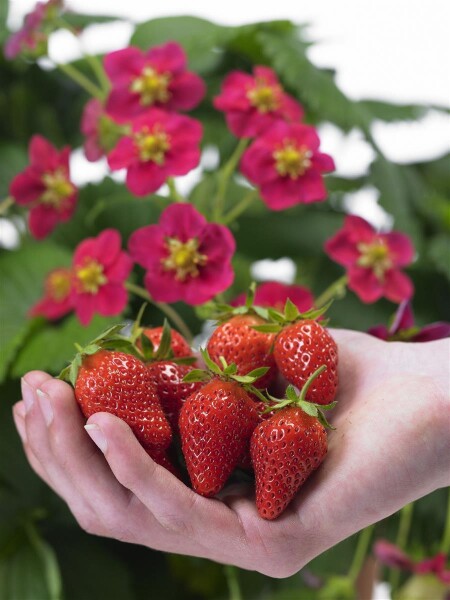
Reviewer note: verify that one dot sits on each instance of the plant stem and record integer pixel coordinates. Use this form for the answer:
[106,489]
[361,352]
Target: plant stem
[81,80]
[401,540]
[335,290]
[225,174]
[173,192]
[240,207]
[170,312]
[445,544]
[99,72]
[233,582]
[360,553]
[6,204]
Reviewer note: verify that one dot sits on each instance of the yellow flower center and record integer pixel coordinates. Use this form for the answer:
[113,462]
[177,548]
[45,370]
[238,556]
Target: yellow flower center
[152,145]
[375,256]
[58,188]
[90,276]
[183,258]
[292,161]
[152,86]
[59,284]
[264,97]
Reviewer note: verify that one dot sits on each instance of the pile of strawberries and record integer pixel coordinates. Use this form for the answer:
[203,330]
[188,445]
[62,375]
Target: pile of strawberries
[215,420]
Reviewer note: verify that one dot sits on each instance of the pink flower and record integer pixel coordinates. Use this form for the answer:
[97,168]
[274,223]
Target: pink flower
[403,328]
[157,77]
[100,269]
[252,103]
[32,38]
[286,165]
[102,133]
[392,556]
[57,295]
[160,145]
[186,257]
[275,294]
[373,260]
[45,187]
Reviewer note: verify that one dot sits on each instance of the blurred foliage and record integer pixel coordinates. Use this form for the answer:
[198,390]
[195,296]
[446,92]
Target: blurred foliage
[40,544]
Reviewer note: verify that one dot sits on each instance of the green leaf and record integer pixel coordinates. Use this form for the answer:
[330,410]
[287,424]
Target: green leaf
[210,363]
[314,87]
[13,159]
[386,111]
[80,21]
[257,373]
[439,253]
[269,328]
[58,342]
[30,571]
[22,274]
[199,38]
[195,375]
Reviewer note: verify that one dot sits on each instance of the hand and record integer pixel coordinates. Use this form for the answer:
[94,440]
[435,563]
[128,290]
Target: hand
[390,447]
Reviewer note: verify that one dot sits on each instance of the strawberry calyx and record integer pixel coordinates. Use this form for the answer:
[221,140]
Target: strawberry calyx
[146,348]
[221,312]
[226,372]
[293,398]
[110,339]
[278,320]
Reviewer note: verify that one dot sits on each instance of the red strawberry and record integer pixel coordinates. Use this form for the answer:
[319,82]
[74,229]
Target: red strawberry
[300,348]
[216,423]
[167,377]
[161,458]
[239,343]
[121,384]
[286,448]
[179,345]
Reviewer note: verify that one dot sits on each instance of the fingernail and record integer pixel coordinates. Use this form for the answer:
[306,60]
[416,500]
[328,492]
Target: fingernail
[97,436]
[46,406]
[20,425]
[27,394]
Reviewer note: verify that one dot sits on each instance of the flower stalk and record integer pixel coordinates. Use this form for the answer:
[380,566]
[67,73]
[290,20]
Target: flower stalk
[224,179]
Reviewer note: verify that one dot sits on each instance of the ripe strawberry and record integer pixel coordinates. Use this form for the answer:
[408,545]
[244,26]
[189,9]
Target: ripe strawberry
[216,423]
[286,448]
[300,348]
[167,378]
[179,345]
[239,343]
[121,384]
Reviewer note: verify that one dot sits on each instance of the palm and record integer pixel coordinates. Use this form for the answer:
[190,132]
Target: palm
[389,438]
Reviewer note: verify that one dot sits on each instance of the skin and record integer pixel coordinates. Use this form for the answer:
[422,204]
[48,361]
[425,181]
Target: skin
[391,446]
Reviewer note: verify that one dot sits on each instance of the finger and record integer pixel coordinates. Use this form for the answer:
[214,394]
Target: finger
[76,455]
[186,522]
[37,435]
[19,420]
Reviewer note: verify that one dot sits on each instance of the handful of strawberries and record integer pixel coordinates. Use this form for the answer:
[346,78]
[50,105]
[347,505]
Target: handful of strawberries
[221,418]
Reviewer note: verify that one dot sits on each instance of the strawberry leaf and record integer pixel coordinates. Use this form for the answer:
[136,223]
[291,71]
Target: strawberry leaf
[269,328]
[259,372]
[196,375]
[291,312]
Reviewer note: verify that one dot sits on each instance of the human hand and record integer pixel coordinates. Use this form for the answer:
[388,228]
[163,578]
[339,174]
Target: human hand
[391,446]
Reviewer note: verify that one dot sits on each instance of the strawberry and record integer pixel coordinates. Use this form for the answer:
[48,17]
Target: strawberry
[121,384]
[286,448]
[300,348]
[179,345]
[167,378]
[216,423]
[238,342]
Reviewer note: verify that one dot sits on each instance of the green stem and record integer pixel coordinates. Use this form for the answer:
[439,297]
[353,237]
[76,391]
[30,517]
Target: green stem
[173,192]
[401,540]
[170,312]
[224,177]
[233,582]
[6,204]
[335,290]
[81,80]
[308,382]
[445,544]
[240,208]
[360,553]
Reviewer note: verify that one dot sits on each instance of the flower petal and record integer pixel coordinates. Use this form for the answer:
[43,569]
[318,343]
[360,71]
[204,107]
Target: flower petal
[42,221]
[123,154]
[27,186]
[112,298]
[182,221]
[400,247]
[397,286]
[146,245]
[187,90]
[145,177]
[122,66]
[169,57]
[364,283]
